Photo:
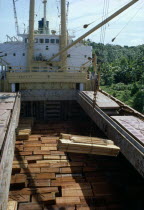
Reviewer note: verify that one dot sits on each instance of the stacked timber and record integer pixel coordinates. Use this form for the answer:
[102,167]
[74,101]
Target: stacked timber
[44,178]
[87,145]
[24,129]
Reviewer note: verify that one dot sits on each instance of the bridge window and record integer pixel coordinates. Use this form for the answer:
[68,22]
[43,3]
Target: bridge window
[85,56]
[36,40]
[46,40]
[14,54]
[41,41]
[26,40]
[52,41]
[5,54]
[23,54]
[57,41]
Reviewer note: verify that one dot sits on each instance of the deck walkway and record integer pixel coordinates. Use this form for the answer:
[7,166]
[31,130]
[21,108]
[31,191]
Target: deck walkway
[126,136]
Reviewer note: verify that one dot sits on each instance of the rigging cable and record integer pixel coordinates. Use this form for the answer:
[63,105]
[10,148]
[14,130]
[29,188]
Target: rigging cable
[127,23]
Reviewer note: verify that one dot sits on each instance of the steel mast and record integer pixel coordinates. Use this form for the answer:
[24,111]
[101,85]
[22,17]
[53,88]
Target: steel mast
[63,39]
[31,35]
[15,16]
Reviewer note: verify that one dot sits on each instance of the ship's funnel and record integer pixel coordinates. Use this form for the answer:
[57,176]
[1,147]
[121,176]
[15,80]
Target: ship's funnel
[45,22]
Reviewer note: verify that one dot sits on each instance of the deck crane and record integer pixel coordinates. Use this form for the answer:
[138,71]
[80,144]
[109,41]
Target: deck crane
[15,16]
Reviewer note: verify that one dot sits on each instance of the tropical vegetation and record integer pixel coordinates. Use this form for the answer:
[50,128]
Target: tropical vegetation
[122,72]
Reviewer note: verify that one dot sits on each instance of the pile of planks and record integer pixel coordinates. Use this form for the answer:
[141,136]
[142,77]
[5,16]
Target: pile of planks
[24,129]
[44,178]
[87,145]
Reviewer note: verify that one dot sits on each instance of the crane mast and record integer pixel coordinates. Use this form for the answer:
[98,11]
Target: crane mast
[15,16]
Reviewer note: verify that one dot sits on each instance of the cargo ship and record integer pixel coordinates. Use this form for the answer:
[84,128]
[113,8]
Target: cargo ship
[48,92]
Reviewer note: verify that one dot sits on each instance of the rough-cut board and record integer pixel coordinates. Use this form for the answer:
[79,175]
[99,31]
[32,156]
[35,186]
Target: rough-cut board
[132,125]
[86,139]
[12,205]
[102,100]
[67,145]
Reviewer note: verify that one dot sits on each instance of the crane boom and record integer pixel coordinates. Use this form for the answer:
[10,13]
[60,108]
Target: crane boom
[95,28]
[15,16]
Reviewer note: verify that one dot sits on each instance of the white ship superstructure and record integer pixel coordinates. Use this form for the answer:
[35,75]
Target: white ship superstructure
[46,44]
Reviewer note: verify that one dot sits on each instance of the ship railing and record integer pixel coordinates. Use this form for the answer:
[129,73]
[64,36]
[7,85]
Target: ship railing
[69,69]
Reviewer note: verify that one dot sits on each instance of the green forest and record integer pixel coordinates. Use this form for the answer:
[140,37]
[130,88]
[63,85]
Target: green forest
[122,72]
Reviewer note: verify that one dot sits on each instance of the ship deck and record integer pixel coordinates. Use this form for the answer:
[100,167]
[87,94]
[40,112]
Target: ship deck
[44,178]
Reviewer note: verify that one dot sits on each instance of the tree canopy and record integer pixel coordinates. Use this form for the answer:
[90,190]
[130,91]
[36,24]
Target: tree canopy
[122,72]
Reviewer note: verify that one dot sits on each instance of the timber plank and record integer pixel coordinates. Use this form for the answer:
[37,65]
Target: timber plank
[30,170]
[50,170]
[39,183]
[45,176]
[30,206]
[77,192]
[67,200]
[19,198]
[40,152]
[58,207]
[32,148]
[69,146]
[34,157]
[12,205]
[67,170]
[54,148]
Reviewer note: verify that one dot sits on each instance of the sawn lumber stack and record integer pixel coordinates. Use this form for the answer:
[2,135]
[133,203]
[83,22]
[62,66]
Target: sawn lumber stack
[46,179]
[87,145]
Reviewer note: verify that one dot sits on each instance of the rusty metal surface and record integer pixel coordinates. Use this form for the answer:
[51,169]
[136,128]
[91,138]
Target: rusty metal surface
[133,125]
[130,148]
[102,100]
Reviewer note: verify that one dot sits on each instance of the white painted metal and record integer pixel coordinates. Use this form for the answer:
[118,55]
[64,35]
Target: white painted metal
[19,54]
[81,86]
[13,88]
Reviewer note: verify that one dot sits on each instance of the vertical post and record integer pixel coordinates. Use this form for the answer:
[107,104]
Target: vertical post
[99,76]
[63,43]
[31,35]
[95,63]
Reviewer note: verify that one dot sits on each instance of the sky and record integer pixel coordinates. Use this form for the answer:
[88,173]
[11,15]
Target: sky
[127,28]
